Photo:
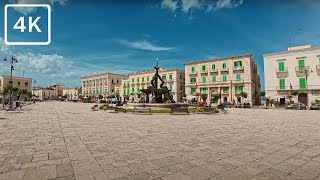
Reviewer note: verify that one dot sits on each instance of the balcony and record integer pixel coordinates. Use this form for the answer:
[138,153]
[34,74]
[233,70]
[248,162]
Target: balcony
[225,92]
[169,81]
[204,72]
[318,70]
[282,73]
[193,73]
[224,70]
[193,83]
[238,68]
[214,71]
[302,71]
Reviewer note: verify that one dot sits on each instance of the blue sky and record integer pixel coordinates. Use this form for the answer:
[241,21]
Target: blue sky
[91,37]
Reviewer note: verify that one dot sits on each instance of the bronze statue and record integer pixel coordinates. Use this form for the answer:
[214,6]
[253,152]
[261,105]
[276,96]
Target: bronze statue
[159,95]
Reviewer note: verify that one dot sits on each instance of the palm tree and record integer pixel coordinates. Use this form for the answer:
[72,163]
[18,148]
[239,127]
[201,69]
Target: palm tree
[7,90]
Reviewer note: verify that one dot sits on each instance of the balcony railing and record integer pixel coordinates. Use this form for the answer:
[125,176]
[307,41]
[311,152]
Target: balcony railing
[204,72]
[193,73]
[282,73]
[225,92]
[302,69]
[214,71]
[224,70]
[193,83]
[238,68]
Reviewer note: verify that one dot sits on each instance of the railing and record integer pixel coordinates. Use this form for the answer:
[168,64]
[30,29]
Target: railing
[238,68]
[225,92]
[284,70]
[193,73]
[193,83]
[214,70]
[302,68]
[204,72]
[224,69]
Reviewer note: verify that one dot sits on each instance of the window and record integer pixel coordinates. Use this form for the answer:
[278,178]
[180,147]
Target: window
[180,88]
[138,89]
[170,76]
[192,90]
[164,77]
[301,64]
[18,83]
[192,80]
[132,90]
[192,69]
[180,76]
[117,81]
[124,92]
[143,80]
[224,66]
[132,80]
[112,81]
[204,91]
[224,78]
[100,91]
[213,66]
[128,92]
[143,87]
[282,83]
[237,64]
[148,79]
[214,78]
[238,89]
[204,79]
[302,83]
[170,87]
[203,67]
[225,90]
[281,66]
[238,77]
[138,80]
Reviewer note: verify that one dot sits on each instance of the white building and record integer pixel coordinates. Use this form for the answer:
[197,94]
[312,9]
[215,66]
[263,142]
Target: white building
[72,94]
[297,69]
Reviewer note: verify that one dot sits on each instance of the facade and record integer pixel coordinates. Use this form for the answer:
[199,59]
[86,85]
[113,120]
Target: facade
[18,82]
[174,80]
[226,77]
[44,94]
[101,84]
[72,94]
[58,88]
[297,69]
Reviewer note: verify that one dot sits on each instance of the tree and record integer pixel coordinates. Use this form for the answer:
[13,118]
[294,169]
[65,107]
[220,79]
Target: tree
[294,93]
[204,97]
[6,91]
[262,93]
[215,98]
[126,97]
[244,94]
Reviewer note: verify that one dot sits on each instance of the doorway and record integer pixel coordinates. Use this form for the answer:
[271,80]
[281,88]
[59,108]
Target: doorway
[303,98]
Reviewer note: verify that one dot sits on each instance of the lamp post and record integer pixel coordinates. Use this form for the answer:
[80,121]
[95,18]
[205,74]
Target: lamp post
[12,60]
[307,89]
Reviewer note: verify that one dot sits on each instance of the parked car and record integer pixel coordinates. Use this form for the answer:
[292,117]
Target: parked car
[243,105]
[296,106]
[315,107]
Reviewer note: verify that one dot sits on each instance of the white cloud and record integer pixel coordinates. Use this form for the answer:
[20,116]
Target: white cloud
[208,5]
[171,4]
[28,10]
[144,45]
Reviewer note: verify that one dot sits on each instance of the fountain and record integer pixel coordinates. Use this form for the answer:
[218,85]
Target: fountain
[157,95]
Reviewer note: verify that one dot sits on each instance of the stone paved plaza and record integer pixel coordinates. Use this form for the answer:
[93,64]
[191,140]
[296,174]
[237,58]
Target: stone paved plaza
[66,141]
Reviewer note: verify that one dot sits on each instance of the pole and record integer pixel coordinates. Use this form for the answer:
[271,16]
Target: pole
[11,82]
[307,86]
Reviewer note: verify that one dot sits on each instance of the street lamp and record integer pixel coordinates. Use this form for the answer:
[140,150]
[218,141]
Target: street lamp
[307,89]
[12,60]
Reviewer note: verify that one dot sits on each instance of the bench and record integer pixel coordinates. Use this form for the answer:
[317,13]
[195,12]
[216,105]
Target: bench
[116,109]
[179,110]
[95,108]
[142,110]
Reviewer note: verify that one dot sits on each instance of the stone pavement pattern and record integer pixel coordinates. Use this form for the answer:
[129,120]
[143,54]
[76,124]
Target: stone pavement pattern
[67,141]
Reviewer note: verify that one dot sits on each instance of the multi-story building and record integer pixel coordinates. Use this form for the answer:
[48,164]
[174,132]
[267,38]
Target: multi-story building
[17,82]
[101,84]
[224,77]
[72,94]
[174,80]
[297,69]
[44,94]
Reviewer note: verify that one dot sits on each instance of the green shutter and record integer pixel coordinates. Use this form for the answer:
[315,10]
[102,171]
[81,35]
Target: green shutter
[214,78]
[204,79]
[138,90]
[170,87]
[238,77]
[192,69]
[282,83]
[302,83]
[224,66]
[143,80]
[301,64]
[204,90]
[213,66]
[224,78]
[128,91]
[203,67]
[281,66]
[148,79]
[132,90]
[170,76]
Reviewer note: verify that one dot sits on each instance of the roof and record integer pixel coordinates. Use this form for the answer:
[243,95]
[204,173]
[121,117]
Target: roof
[153,70]
[15,77]
[102,74]
[292,51]
[219,59]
